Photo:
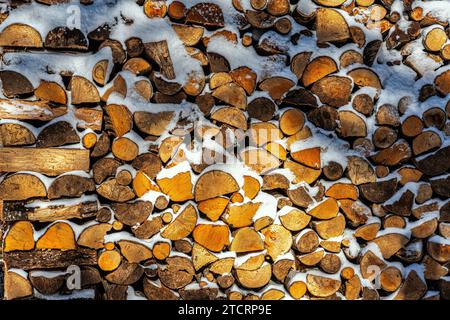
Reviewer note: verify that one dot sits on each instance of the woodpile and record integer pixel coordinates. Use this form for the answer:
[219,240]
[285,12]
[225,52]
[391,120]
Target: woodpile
[242,150]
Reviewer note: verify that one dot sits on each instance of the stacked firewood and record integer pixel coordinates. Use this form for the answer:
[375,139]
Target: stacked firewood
[225,149]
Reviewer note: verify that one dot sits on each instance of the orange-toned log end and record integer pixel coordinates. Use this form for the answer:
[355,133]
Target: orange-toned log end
[212,237]
[109,260]
[19,237]
[59,236]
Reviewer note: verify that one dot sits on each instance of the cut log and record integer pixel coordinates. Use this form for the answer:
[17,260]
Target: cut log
[132,213]
[19,237]
[89,118]
[260,160]
[15,84]
[320,286]
[183,224]
[120,118]
[83,91]
[153,123]
[20,35]
[59,236]
[246,240]
[331,228]
[351,125]
[292,121]
[331,26]
[57,134]
[206,14]
[12,135]
[134,252]
[212,237]
[16,286]
[363,77]
[14,211]
[238,216]
[51,91]
[277,240]
[109,260]
[413,288]
[302,173]
[435,39]
[21,186]
[213,208]
[398,153]
[125,149]
[256,278]
[92,237]
[214,184]
[244,77]
[295,220]
[390,244]
[425,142]
[332,90]
[277,87]
[70,186]
[231,94]
[379,192]
[325,210]
[113,191]
[65,38]
[317,69]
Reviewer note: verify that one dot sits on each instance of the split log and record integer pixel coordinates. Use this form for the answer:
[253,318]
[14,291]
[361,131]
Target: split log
[317,69]
[21,186]
[83,91]
[331,26]
[206,14]
[120,118]
[20,35]
[52,92]
[59,236]
[15,84]
[246,240]
[256,278]
[238,216]
[92,237]
[332,90]
[12,135]
[19,237]
[70,186]
[378,192]
[277,87]
[134,252]
[231,94]
[65,38]
[321,286]
[212,237]
[113,191]
[126,274]
[58,134]
[214,184]
[16,286]
[277,240]
[183,224]
[159,52]
[153,123]
[132,213]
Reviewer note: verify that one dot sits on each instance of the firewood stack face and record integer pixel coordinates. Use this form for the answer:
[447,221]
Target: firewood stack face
[225,149]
